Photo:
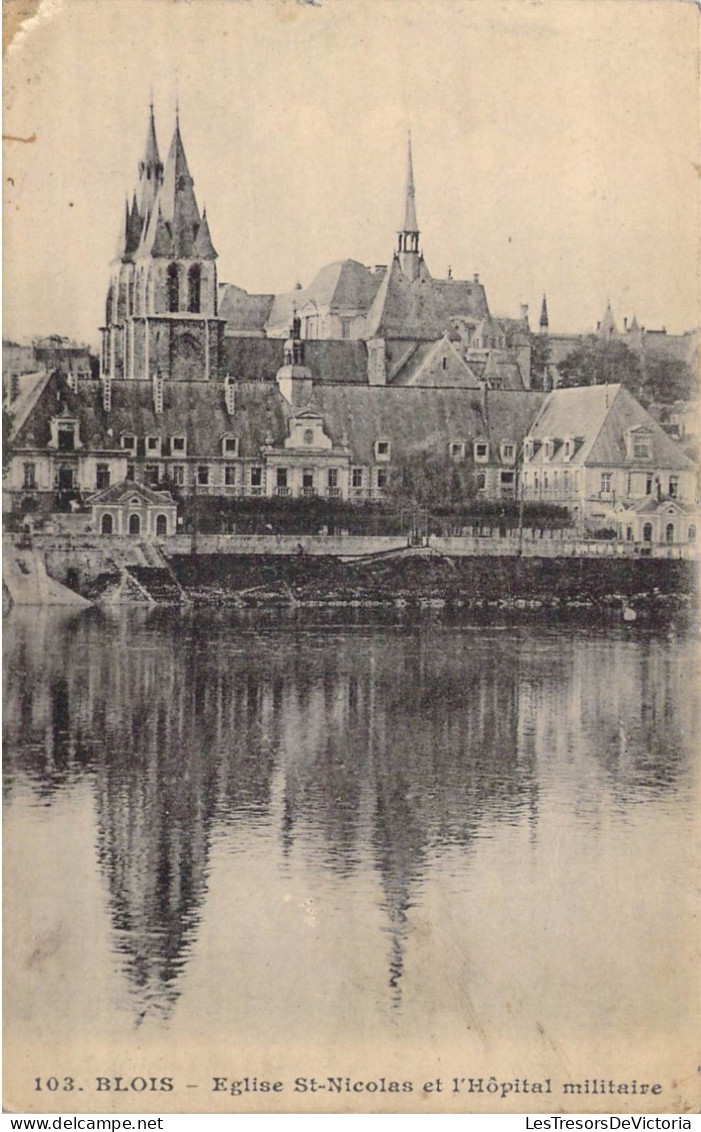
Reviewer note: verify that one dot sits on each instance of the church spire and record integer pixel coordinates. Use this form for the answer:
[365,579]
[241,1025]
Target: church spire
[177,197]
[150,168]
[408,237]
[544,321]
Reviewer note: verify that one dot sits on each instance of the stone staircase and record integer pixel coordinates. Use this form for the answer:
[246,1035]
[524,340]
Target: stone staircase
[158,583]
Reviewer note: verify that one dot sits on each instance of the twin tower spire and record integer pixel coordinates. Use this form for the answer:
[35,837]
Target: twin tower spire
[165,221]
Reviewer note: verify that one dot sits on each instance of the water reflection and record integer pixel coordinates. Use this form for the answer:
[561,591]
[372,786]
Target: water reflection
[394,745]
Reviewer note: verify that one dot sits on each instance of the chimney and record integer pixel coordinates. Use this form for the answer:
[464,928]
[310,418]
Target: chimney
[476,277]
[625,325]
[524,311]
[377,369]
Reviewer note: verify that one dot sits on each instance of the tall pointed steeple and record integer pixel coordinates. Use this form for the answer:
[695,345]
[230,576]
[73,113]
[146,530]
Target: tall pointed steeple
[408,236]
[544,321]
[177,197]
[150,169]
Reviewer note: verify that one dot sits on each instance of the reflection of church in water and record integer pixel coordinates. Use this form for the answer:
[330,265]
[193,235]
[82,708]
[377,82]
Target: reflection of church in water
[395,751]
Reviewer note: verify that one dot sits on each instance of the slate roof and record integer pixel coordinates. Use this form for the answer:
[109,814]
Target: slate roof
[343,285]
[424,367]
[259,359]
[651,504]
[602,415]
[244,313]
[413,418]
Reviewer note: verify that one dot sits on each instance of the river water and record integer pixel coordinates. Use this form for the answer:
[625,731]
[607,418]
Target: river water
[254,834]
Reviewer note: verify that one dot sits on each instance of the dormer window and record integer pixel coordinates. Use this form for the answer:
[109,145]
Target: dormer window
[641,446]
[382,450]
[129,444]
[67,436]
[153,445]
[230,446]
[481,451]
[528,448]
[548,448]
[178,445]
[568,448]
[456,449]
[508,452]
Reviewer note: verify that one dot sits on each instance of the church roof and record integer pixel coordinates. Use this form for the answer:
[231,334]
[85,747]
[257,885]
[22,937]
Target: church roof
[244,313]
[345,285]
[176,204]
[410,221]
[436,364]
[203,248]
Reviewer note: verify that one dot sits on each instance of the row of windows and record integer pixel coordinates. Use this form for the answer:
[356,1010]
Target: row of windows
[669,534]
[193,296]
[153,445]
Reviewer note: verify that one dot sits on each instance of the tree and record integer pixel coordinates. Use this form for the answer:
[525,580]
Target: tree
[669,379]
[540,359]
[430,480]
[8,420]
[601,361]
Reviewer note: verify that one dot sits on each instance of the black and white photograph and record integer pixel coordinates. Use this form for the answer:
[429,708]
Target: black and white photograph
[350,557]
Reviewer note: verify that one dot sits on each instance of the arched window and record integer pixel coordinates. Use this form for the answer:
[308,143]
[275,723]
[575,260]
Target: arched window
[669,532]
[692,533]
[134,524]
[647,532]
[107,524]
[193,289]
[161,525]
[173,288]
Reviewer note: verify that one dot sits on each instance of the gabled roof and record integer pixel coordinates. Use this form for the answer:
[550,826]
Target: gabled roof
[437,364]
[652,504]
[502,370]
[343,285]
[602,415]
[124,491]
[30,387]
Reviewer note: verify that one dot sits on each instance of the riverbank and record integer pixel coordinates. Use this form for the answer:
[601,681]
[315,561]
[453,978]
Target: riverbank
[648,588]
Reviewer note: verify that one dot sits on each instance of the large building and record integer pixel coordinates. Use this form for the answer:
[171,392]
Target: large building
[329,391]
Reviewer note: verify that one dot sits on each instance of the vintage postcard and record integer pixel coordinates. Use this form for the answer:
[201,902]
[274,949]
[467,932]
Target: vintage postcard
[350,484]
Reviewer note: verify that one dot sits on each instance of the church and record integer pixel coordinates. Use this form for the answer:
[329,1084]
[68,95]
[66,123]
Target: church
[168,318]
[333,391]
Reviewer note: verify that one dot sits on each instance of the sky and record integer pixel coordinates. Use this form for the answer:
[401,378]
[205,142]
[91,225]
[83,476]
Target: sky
[555,143]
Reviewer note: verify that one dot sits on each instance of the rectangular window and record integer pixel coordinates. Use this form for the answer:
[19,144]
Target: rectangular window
[256,477]
[203,475]
[641,447]
[308,479]
[383,448]
[153,443]
[65,479]
[178,474]
[129,443]
[152,475]
[606,478]
[281,477]
[508,451]
[102,476]
[648,483]
[66,438]
[382,477]
[357,477]
[333,477]
[231,445]
[507,479]
[230,475]
[131,472]
[481,481]
[30,477]
[177,444]
[481,451]
[673,486]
